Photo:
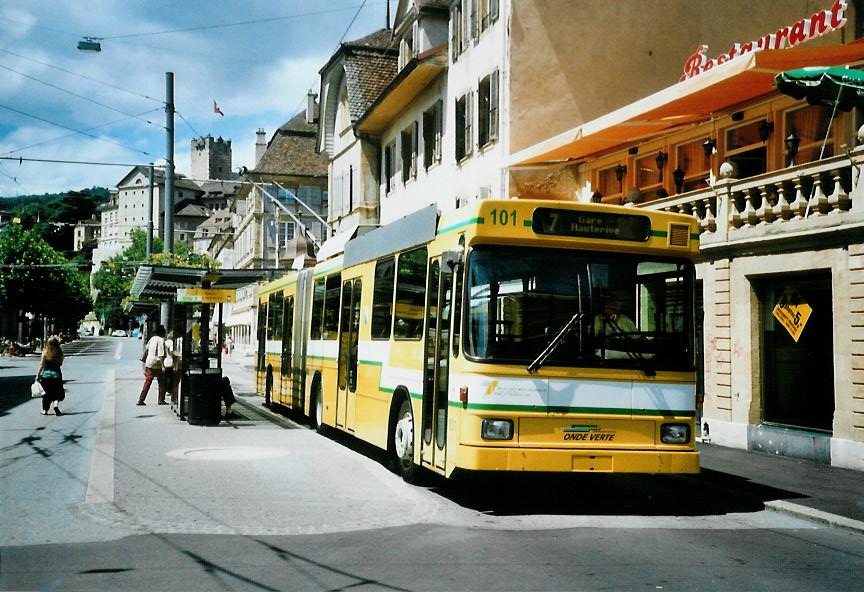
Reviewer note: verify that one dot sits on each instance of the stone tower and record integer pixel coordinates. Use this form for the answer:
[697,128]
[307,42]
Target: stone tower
[211,158]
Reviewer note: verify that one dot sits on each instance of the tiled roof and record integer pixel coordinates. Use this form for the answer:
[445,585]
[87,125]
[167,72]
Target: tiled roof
[367,75]
[381,39]
[291,151]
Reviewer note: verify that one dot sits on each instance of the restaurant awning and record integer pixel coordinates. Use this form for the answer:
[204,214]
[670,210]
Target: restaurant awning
[161,282]
[691,101]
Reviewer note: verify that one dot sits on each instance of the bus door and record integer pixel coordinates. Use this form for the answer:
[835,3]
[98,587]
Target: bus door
[349,327]
[286,363]
[439,295]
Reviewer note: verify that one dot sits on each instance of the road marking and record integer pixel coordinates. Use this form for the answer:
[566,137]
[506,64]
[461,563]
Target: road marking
[100,485]
[119,350]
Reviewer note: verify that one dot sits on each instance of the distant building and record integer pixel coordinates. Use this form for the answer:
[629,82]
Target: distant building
[211,158]
[86,230]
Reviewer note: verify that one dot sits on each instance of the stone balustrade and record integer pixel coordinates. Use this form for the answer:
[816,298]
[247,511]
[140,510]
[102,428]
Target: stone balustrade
[827,188]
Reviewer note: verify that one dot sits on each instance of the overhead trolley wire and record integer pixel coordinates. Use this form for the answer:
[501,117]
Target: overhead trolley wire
[74,94]
[50,140]
[88,78]
[234,24]
[72,129]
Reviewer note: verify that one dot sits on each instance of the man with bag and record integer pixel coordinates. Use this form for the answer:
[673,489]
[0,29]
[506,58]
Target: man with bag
[153,357]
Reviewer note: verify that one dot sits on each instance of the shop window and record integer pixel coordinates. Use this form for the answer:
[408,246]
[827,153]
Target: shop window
[610,183]
[745,150]
[811,125]
[693,166]
[649,177]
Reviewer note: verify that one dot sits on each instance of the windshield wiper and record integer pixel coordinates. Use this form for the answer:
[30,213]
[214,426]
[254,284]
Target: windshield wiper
[534,366]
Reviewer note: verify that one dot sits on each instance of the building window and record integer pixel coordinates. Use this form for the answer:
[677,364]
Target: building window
[812,125]
[609,186]
[409,152]
[286,233]
[487,110]
[456,31]
[432,126]
[649,178]
[746,150]
[488,13]
[389,167]
[694,163]
[464,141]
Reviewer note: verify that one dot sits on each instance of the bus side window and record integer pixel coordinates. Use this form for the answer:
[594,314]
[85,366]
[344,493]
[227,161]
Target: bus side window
[274,320]
[317,309]
[382,298]
[332,289]
[410,292]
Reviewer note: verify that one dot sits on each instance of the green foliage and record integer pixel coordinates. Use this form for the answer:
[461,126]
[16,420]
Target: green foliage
[35,278]
[116,275]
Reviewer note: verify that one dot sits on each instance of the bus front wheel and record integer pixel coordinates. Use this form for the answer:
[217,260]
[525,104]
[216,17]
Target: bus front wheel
[403,442]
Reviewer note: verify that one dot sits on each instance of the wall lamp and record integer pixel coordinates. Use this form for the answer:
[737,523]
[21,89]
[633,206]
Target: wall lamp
[678,178]
[792,141]
[766,128]
[620,171]
[709,146]
[661,159]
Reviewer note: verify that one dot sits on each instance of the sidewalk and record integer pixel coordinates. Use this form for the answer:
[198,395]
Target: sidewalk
[815,491]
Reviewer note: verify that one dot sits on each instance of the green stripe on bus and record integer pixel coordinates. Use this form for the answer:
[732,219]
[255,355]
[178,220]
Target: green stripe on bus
[478,220]
[528,223]
[694,236]
[324,358]
[370,363]
[390,391]
[577,410]
[659,233]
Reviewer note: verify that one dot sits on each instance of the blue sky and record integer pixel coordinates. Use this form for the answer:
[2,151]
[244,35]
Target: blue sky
[258,73]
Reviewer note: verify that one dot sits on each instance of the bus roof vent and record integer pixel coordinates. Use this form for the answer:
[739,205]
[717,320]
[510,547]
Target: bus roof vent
[679,235]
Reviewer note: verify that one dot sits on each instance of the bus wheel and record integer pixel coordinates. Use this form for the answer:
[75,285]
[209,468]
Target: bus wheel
[317,411]
[268,388]
[403,442]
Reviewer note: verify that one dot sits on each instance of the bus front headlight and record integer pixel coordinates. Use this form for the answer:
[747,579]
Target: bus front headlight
[496,429]
[675,433]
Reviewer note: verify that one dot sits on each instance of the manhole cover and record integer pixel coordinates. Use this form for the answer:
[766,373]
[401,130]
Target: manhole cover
[229,453]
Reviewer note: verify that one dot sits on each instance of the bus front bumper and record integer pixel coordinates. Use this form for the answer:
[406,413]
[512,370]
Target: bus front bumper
[572,460]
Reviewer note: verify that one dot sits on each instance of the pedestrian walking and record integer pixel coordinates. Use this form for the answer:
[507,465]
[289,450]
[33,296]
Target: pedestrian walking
[230,343]
[153,357]
[50,376]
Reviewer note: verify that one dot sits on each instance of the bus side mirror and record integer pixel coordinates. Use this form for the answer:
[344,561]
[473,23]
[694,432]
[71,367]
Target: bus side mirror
[452,258]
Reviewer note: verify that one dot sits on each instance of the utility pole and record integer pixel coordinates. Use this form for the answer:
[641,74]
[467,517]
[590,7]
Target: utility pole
[150,215]
[168,232]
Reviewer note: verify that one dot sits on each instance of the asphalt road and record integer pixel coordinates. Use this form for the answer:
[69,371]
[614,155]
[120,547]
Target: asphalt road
[112,496]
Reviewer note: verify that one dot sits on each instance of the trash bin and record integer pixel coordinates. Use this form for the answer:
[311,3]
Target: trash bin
[204,400]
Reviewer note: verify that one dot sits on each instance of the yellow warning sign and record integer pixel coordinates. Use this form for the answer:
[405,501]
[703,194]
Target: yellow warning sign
[793,316]
[205,295]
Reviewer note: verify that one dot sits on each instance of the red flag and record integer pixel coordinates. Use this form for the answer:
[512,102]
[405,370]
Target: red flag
[216,109]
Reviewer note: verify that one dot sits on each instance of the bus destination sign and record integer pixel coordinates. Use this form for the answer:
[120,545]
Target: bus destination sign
[600,225]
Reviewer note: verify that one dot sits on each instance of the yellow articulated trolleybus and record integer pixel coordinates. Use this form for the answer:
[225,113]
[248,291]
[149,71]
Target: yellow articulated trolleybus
[507,335]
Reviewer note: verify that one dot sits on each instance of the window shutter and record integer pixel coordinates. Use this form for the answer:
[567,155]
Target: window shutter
[439,128]
[460,128]
[388,168]
[493,11]
[415,148]
[483,112]
[428,138]
[469,121]
[493,106]
[473,19]
[454,38]
[466,26]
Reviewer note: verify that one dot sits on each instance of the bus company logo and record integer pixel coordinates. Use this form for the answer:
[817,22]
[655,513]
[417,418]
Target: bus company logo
[588,433]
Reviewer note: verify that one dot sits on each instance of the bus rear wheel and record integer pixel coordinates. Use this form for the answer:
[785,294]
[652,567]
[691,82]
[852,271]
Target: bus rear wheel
[403,442]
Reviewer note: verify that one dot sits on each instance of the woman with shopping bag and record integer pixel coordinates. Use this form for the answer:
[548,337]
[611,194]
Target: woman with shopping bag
[50,376]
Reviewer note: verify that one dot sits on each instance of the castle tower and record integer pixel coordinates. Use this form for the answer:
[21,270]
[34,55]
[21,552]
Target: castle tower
[211,158]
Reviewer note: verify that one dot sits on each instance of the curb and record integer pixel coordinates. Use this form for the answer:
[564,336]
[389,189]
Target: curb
[814,515]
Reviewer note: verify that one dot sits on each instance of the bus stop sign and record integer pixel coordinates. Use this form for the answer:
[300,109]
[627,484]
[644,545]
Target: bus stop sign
[205,295]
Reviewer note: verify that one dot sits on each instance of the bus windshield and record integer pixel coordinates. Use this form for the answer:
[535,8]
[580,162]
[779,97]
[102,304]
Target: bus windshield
[632,311]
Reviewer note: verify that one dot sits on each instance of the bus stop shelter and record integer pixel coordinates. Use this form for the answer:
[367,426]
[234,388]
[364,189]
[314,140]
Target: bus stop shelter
[195,298]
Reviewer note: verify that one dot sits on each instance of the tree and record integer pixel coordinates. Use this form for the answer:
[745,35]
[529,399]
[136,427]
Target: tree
[37,279]
[114,279]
